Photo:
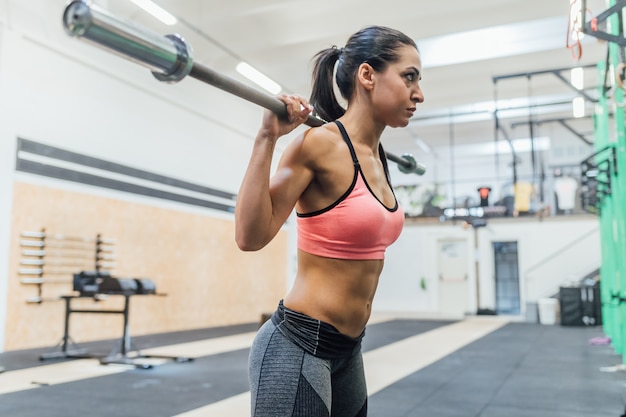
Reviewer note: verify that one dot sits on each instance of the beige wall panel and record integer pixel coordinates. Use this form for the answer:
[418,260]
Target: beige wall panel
[192,258]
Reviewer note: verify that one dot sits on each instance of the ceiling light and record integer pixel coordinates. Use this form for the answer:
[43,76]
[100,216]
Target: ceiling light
[577,78]
[492,42]
[578,107]
[256,77]
[156,11]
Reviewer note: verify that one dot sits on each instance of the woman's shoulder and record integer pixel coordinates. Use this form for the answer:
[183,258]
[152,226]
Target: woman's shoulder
[320,139]
[316,147]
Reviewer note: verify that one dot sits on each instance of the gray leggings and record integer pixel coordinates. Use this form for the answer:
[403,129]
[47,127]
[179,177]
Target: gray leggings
[288,380]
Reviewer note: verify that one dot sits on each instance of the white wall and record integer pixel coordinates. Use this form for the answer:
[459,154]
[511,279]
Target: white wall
[7,165]
[572,242]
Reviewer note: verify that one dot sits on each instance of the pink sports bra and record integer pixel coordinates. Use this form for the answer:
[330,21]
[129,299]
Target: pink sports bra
[356,226]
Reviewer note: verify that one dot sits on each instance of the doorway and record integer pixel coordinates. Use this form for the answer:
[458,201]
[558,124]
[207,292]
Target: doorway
[453,272]
[507,277]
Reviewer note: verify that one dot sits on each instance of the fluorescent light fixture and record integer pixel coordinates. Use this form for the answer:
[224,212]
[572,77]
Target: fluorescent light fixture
[578,107]
[577,78]
[256,77]
[156,11]
[493,42]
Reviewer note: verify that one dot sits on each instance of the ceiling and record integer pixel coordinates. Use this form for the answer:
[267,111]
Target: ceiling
[464,45]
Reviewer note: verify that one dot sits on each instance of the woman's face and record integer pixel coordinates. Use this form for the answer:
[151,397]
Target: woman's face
[396,90]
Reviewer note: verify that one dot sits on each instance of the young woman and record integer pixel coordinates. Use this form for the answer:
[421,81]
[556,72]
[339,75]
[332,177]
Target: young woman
[306,360]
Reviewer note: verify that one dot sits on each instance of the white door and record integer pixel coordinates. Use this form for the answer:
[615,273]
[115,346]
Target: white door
[453,276]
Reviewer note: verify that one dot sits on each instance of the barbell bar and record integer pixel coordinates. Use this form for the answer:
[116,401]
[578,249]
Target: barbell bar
[169,58]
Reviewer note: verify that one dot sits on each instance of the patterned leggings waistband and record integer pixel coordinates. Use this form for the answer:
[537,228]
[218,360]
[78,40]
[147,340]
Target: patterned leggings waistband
[316,337]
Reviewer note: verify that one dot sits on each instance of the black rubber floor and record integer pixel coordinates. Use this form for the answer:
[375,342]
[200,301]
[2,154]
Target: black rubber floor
[520,370]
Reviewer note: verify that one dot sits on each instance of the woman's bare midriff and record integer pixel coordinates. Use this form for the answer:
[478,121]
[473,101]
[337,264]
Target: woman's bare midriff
[337,291]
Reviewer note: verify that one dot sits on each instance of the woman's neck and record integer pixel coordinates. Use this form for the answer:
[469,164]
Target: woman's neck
[362,128]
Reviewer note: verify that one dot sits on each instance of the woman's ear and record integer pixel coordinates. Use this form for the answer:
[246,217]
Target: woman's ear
[365,75]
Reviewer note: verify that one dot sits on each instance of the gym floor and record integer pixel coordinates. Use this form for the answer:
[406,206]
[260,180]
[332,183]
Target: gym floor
[483,366]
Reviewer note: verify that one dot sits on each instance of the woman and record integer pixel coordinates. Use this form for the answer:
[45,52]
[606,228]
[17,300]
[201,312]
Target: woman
[306,360]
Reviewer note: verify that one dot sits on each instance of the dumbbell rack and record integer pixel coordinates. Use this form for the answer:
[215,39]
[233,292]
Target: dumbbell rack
[51,259]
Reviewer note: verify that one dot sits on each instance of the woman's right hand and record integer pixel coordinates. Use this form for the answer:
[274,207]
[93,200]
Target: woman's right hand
[263,205]
[298,110]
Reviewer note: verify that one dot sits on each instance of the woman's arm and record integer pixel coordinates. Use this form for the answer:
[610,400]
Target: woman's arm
[262,205]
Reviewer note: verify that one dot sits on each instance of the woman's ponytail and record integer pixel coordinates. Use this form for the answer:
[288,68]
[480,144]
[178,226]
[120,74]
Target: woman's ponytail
[323,98]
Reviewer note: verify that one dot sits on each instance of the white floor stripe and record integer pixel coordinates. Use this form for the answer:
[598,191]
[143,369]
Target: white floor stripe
[385,365]
[392,362]
[204,347]
[74,370]
[237,406]
[54,374]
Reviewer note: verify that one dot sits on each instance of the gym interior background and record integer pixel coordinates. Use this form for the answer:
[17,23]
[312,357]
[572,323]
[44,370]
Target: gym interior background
[94,150]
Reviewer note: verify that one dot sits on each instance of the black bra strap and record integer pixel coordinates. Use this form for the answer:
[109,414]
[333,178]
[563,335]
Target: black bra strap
[383,159]
[346,139]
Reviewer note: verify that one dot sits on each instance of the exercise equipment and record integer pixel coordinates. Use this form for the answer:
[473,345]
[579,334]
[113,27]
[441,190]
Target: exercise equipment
[91,283]
[123,354]
[606,188]
[47,258]
[99,285]
[169,58]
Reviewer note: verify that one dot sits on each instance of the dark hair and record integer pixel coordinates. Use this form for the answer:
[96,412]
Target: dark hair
[376,45]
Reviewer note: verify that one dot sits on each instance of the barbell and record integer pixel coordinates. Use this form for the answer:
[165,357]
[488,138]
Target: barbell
[169,58]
